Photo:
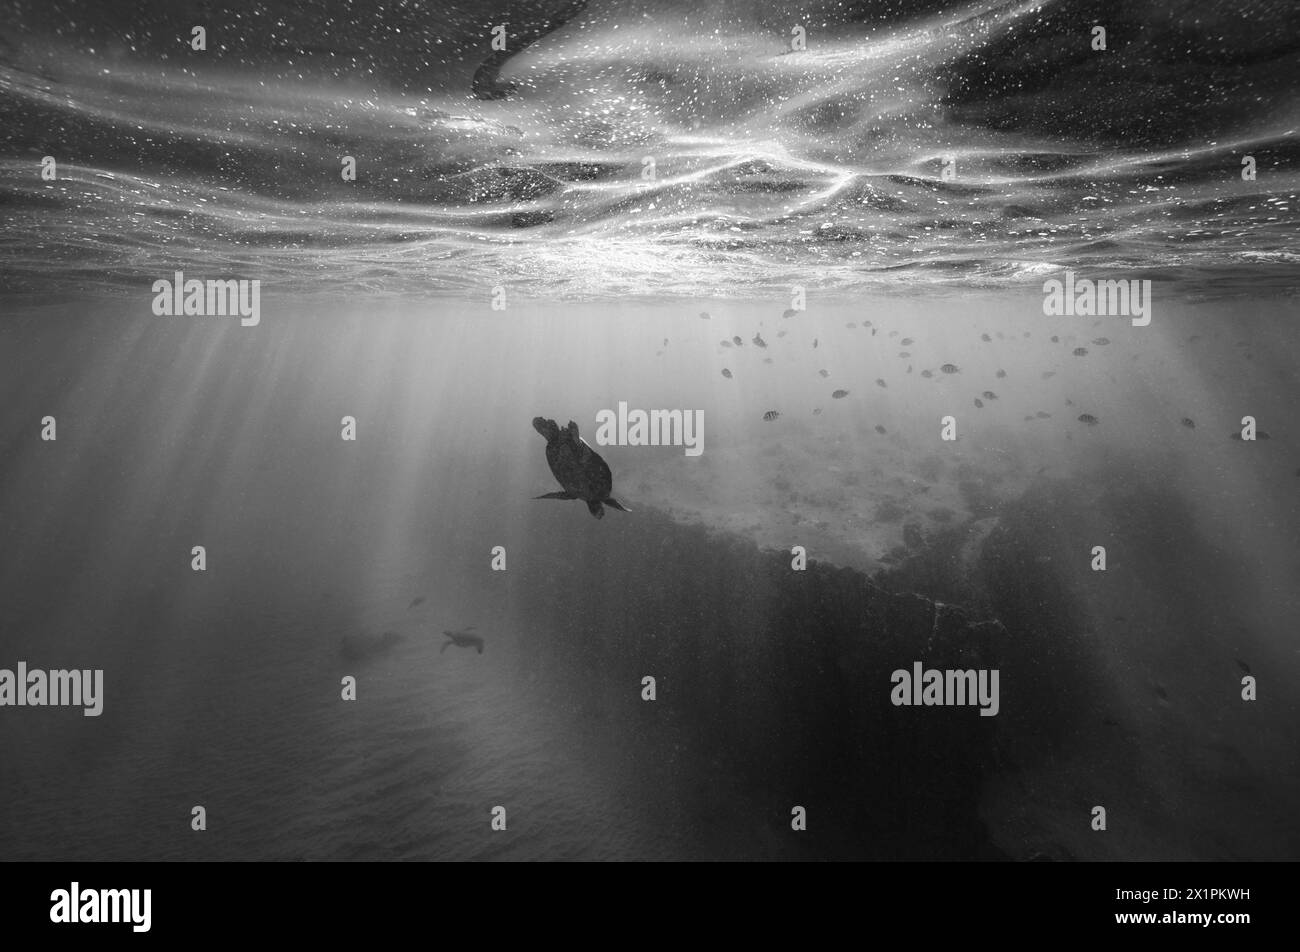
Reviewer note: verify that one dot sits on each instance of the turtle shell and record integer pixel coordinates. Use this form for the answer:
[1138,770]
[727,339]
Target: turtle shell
[579,468]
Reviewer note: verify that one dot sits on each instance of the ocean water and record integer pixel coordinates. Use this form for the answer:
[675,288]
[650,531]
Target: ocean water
[821,169]
[770,167]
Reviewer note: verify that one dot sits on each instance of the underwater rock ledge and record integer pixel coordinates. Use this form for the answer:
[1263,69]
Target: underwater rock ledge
[779,679]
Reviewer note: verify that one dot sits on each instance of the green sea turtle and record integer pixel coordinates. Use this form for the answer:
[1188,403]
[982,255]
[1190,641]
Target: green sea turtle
[463,639]
[577,467]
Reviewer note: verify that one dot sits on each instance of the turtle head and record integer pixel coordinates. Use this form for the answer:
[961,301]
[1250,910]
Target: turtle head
[548,428]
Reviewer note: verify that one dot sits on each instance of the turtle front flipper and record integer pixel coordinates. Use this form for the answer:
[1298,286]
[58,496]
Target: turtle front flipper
[615,504]
[595,509]
[557,495]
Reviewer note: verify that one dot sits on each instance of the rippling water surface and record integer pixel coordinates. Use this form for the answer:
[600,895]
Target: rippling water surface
[822,167]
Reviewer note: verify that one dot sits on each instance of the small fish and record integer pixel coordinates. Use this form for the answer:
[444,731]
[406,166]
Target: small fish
[665,341]
[1001,374]
[737,341]
[1089,419]
[904,354]
[1049,374]
[781,333]
[840,394]
[986,338]
[726,373]
[1101,341]
[990,395]
[817,411]
[704,315]
[1241,664]
[1069,402]
[907,342]
[909,368]
[814,343]
[1043,416]
[880,429]
[1189,423]
[758,339]
[873,332]
[880,383]
[979,404]
[1160,693]
[824,373]
[1055,339]
[725,343]
[1262,435]
[927,374]
[950,369]
[1234,435]
[767,360]
[414,602]
[1081,352]
[789,312]
[770,415]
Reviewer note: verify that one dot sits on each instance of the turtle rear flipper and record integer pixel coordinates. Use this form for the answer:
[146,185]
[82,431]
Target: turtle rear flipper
[615,504]
[595,509]
[557,495]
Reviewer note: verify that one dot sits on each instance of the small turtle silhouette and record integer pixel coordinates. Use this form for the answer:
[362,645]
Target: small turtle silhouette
[463,639]
[577,467]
